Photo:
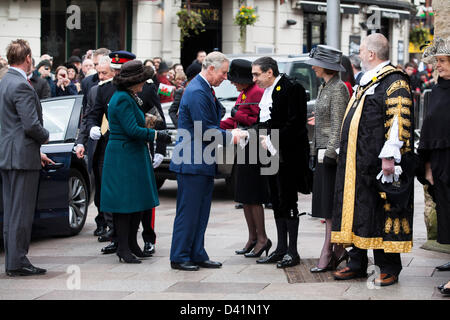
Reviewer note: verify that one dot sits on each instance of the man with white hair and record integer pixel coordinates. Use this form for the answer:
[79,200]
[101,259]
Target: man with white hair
[195,177]
[373,204]
[356,66]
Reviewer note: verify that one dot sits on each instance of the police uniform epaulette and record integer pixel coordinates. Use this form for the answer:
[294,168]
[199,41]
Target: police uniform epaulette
[150,81]
[105,81]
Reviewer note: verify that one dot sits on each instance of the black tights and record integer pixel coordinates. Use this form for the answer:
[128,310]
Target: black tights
[126,226]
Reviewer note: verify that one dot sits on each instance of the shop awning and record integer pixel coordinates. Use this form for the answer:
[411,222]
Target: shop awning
[391,13]
[321,7]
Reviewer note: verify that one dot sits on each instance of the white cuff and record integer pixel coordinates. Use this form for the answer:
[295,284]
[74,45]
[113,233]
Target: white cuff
[270,146]
[393,145]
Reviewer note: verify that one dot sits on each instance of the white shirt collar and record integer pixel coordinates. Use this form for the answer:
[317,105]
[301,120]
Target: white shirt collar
[200,74]
[20,71]
[368,75]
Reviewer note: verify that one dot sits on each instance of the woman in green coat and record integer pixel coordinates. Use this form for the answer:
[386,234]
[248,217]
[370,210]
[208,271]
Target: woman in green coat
[128,182]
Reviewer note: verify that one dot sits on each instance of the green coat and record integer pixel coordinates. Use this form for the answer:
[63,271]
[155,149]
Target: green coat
[128,181]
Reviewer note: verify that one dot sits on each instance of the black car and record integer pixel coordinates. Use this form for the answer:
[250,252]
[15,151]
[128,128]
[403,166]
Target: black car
[65,188]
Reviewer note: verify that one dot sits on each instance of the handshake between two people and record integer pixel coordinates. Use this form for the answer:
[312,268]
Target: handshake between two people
[242,137]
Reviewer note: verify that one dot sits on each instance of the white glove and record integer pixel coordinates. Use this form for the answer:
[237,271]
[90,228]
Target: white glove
[267,144]
[157,160]
[392,177]
[95,133]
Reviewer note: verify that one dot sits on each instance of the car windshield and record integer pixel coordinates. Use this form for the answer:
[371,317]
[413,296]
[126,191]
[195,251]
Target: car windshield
[56,117]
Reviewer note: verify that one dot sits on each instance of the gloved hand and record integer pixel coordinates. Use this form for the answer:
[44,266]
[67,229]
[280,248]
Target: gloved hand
[95,133]
[234,110]
[157,160]
[329,161]
[312,162]
[164,136]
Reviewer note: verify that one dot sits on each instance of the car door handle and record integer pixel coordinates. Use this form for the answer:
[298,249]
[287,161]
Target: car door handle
[54,166]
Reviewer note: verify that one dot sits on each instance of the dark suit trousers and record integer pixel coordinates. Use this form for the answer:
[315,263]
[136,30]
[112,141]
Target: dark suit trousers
[283,192]
[148,233]
[387,262]
[102,219]
[20,188]
[193,208]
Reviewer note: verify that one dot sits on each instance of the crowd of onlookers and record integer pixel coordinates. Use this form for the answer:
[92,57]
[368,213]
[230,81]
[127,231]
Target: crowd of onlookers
[64,80]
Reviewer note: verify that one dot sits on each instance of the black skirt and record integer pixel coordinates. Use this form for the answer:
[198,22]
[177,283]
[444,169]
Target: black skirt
[442,197]
[250,186]
[323,191]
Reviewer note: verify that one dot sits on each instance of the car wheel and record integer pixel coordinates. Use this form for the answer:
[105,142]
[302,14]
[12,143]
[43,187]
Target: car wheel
[78,201]
[159,182]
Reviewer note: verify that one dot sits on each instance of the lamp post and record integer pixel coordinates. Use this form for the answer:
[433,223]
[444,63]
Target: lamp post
[334,23]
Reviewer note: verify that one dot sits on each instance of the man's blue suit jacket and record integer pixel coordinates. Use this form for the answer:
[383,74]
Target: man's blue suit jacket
[197,105]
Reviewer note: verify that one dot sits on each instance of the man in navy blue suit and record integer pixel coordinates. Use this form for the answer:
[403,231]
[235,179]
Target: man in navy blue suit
[199,113]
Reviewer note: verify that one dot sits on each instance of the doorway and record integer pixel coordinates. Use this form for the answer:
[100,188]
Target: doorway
[211,38]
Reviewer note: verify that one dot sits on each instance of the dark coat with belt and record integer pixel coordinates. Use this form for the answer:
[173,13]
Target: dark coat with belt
[22,132]
[128,181]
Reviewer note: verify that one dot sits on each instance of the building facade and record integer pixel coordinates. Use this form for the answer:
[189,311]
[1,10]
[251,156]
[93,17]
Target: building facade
[149,28]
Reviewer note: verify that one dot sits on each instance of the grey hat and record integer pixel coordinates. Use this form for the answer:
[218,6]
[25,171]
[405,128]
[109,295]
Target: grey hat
[326,57]
[439,47]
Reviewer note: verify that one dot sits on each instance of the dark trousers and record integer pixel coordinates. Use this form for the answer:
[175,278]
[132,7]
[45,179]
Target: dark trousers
[193,207]
[148,223]
[387,262]
[126,228]
[283,192]
[20,188]
[442,197]
[284,197]
[101,219]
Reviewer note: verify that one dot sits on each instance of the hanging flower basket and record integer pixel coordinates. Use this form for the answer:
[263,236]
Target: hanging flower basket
[246,16]
[419,35]
[189,22]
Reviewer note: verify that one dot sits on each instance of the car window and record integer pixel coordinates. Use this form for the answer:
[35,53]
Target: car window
[306,76]
[56,115]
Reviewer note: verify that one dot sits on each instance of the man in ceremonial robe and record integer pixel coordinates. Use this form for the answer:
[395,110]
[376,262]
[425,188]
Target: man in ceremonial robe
[373,204]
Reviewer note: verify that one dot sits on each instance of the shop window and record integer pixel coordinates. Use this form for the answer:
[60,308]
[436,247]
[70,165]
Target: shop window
[72,27]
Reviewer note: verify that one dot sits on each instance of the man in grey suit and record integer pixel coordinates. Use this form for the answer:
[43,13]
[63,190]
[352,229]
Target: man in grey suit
[21,136]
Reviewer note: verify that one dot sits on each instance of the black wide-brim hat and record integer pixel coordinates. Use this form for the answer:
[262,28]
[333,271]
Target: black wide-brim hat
[133,72]
[326,57]
[240,71]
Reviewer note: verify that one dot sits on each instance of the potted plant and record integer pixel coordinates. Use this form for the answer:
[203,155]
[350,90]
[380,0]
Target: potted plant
[244,17]
[189,21]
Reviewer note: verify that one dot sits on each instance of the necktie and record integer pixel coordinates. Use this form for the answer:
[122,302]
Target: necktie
[213,93]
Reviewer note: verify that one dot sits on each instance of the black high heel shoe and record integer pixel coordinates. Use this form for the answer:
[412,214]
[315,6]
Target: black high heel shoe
[254,254]
[128,258]
[246,250]
[345,257]
[332,265]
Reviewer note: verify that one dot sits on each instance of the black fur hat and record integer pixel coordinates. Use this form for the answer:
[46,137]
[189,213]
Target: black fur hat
[131,73]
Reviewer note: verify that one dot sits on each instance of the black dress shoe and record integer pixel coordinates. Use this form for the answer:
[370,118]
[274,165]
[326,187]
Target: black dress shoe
[101,230]
[445,291]
[288,261]
[110,248]
[239,206]
[185,266]
[444,267]
[106,237]
[209,264]
[26,271]
[272,258]
[149,248]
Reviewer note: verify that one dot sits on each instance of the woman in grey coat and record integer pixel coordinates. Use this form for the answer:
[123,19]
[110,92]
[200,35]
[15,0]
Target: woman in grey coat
[329,111]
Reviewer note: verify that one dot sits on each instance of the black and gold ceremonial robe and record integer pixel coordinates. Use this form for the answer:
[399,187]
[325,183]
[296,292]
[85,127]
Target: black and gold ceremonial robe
[367,213]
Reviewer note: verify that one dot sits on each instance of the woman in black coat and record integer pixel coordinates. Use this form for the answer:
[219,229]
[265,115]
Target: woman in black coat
[434,145]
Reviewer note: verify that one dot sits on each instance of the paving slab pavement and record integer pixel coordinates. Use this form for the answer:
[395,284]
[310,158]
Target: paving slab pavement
[103,277]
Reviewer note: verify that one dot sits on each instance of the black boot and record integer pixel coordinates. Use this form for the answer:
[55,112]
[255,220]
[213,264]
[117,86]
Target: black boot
[122,222]
[132,236]
[292,257]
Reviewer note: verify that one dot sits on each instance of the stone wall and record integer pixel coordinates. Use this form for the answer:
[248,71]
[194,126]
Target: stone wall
[20,19]
[442,14]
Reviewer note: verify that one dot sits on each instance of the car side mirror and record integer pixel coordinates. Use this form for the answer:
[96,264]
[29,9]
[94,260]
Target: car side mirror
[308,95]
